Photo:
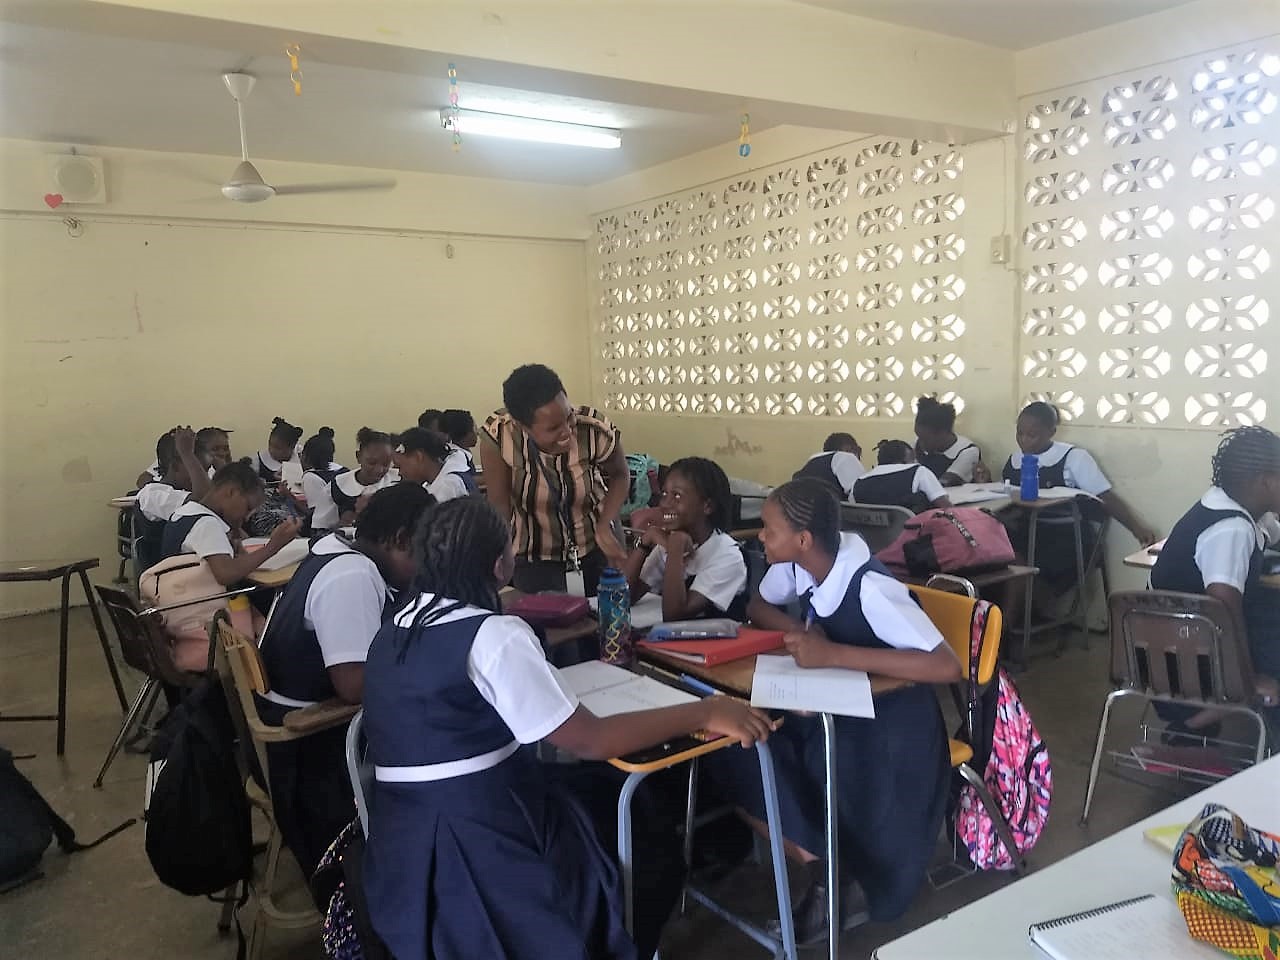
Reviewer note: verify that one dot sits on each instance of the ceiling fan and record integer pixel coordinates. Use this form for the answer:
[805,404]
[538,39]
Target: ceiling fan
[246,184]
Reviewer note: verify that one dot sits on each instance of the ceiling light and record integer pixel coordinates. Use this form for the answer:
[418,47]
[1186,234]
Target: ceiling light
[530,128]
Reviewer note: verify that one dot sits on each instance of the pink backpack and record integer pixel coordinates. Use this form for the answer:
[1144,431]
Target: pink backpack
[949,540]
[1018,774]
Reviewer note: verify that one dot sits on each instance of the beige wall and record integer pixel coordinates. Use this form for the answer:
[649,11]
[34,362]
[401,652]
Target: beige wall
[144,321]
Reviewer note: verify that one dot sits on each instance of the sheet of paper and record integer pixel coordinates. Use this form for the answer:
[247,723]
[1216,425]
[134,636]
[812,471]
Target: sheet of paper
[1060,493]
[783,684]
[1149,928]
[593,676]
[645,613]
[641,693]
[968,493]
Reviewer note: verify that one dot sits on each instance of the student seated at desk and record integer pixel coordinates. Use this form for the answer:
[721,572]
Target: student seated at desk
[898,481]
[216,442]
[459,428]
[314,650]
[282,445]
[951,457]
[687,558]
[203,527]
[184,475]
[1064,465]
[372,473]
[474,848]
[320,472]
[422,456]
[839,465]
[1217,549]
[894,770]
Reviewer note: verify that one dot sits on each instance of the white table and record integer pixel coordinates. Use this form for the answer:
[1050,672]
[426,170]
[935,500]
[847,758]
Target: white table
[1121,866]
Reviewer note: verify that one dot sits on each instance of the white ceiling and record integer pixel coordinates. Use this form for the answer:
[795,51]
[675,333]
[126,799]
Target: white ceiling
[1011,24]
[86,89]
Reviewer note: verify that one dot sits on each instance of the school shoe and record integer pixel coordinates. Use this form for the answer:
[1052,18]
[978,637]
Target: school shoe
[810,914]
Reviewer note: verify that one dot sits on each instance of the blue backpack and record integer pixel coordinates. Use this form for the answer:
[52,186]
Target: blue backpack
[644,483]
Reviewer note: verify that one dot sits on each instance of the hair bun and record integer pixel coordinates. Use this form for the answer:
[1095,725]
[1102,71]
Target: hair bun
[278,421]
[326,432]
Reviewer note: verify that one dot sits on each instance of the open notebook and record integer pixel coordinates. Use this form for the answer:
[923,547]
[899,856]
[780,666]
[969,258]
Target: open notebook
[1146,926]
[606,690]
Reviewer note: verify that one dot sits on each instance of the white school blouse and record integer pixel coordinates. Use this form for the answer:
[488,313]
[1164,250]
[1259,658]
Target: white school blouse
[924,482]
[159,500]
[847,469]
[446,486]
[1080,471]
[1225,550]
[964,454]
[315,488]
[718,570]
[208,537]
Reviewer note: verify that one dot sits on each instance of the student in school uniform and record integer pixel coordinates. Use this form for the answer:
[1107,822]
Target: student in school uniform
[372,473]
[459,428]
[897,480]
[183,476]
[687,558]
[893,770]
[204,527]
[282,445]
[320,470]
[839,465]
[474,848]
[1217,549]
[421,456]
[314,650]
[952,458]
[1064,465]
[216,442]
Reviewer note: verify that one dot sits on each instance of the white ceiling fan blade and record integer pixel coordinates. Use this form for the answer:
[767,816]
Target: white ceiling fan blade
[343,186]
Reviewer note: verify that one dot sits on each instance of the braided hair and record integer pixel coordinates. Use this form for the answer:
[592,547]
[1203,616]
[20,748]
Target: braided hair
[392,511]
[284,431]
[712,485]
[1244,453]
[894,451]
[808,504]
[455,547]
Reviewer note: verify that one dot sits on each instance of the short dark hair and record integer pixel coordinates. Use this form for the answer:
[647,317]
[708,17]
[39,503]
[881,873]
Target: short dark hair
[712,484]
[318,451]
[933,415]
[456,424]
[528,388]
[282,429]
[239,474]
[1045,414]
[367,436]
[206,435]
[809,504]
[429,419]
[392,511]
[893,451]
[838,441]
[1242,454]
[166,452]
[417,438]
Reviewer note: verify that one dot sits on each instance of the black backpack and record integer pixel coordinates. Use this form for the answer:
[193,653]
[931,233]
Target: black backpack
[198,833]
[28,825]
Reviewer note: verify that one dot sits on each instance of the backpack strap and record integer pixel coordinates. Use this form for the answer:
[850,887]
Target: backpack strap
[977,629]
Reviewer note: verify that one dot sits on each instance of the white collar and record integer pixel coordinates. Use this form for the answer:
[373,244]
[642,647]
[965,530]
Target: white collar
[961,443]
[828,595]
[1216,498]
[407,613]
[268,461]
[352,487]
[880,469]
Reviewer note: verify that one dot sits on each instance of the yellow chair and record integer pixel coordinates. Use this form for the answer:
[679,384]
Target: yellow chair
[952,614]
[239,667]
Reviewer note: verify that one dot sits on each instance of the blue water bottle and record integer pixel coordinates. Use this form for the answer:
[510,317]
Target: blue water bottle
[1030,477]
[614,598]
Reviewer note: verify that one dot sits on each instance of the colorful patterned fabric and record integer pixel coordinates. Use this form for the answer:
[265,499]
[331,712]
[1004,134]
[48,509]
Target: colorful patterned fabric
[1225,878]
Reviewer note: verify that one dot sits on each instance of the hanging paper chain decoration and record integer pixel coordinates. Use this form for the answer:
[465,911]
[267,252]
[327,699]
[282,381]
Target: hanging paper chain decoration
[744,136]
[453,104]
[295,72]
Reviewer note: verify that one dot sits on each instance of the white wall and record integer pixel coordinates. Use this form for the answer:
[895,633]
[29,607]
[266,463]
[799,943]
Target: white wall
[157,315]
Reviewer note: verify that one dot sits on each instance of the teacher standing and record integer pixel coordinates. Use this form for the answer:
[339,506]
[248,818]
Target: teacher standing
[559,473]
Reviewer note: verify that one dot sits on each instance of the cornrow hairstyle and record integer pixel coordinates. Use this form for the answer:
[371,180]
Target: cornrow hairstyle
[284,430]
[366,436]
[317,452]
[809,504]
[528,388]
[428,441]
[838,441]
[430,419]
[893,451]
[1244,453]
[933,415]
[166,452]
[456,424]
[392,511]
[455,547]
[1045,414]
[239,474]
[711,483]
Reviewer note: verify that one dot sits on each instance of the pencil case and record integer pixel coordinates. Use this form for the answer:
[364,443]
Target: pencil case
[694,630]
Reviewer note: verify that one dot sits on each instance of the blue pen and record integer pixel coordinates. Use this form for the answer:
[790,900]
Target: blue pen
[696,685]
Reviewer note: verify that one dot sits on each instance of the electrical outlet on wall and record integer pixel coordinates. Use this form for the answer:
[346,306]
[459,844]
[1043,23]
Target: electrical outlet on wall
[1000,248]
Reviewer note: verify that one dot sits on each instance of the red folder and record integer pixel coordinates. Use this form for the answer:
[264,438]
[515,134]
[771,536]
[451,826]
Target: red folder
[709,653]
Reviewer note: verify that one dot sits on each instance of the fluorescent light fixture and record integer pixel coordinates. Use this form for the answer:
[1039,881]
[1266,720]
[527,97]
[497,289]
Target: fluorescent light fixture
[531,128]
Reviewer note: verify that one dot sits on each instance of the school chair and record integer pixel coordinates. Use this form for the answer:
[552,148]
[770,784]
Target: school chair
[949,602]
[878,524]
[239,668]
[125,539]
[1183,649]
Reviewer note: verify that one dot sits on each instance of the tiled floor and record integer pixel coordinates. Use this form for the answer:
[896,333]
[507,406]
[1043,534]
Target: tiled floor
[106,903]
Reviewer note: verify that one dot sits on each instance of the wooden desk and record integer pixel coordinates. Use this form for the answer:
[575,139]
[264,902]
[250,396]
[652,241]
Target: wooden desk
[735,677]
[1145,559]
[122,503]
[274,578]
[19,571]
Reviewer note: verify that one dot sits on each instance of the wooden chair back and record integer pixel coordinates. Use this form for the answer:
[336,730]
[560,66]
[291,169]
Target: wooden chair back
[878,524]
[239,668]
[145,645]
[1181,645]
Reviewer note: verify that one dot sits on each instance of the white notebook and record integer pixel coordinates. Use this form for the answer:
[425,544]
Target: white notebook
[781,683]
[1146,926]
[606,690]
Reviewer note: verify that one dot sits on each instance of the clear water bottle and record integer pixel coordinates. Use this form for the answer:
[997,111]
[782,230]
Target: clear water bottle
[1030,489]
[614,598]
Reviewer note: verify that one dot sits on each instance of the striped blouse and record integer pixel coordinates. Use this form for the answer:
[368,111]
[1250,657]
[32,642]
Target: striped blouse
[538,527]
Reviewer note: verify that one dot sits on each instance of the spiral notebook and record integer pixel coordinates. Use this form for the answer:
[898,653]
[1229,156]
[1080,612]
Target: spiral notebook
[1146,926]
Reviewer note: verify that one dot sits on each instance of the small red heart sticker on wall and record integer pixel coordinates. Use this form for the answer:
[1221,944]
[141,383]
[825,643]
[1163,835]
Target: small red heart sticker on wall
[54,200]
